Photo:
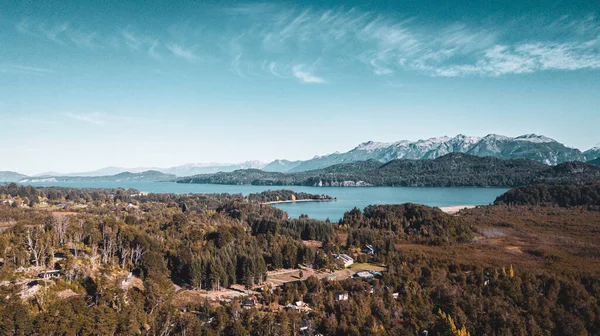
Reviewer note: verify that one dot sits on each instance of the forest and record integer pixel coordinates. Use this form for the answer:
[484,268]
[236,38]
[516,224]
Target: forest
[451,170]
[129,263]
[286,195]
[556,195]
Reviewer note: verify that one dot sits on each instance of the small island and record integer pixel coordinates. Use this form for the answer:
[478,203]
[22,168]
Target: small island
[287,196]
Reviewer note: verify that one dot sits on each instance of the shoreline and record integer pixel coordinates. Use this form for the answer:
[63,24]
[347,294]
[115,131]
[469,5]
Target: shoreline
[302,200]
[451,210]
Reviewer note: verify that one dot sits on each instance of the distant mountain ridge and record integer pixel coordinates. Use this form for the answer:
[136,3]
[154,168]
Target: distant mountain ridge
[9,176]
[146,176]
[529,146]
[450,170]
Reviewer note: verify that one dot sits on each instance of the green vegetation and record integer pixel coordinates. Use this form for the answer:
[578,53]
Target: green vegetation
[451,170]
[286,195]
[560,195]
[163,264]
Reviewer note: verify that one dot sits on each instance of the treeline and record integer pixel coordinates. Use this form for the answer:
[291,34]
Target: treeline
[451,170]
[558,195]
[285,195]
[69,194]
[408,222]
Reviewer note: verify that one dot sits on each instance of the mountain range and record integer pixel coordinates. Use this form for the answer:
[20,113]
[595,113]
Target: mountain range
[146,176]
[530,146]
[450,170]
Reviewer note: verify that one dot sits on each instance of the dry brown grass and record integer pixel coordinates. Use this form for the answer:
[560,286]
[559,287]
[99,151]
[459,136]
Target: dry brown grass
[358,267]
[558,239]
[313,243]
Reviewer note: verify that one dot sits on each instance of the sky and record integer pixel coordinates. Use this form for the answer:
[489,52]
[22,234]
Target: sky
[84,85]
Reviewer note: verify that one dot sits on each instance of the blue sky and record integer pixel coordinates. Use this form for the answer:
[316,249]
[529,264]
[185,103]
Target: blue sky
[147,83]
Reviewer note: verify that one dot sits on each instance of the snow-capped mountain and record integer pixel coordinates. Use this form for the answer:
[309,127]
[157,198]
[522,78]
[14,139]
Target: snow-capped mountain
[592,153]
[529,146]
[280,166]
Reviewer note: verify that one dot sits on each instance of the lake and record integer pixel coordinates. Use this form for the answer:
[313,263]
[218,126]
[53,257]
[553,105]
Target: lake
[347,197]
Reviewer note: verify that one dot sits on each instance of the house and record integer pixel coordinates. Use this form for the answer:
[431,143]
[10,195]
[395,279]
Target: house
[332,277]
[369,249]
[344,260]
[249,302]
[341,296]
[49,274]
[395,295]
[364,275]
[299,306]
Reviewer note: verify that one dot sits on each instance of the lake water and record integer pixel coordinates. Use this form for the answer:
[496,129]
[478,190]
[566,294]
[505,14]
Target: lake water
[347,198]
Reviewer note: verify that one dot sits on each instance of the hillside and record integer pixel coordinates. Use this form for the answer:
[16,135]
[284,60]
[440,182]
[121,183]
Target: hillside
[451,170]
[592,153]
[560,195]
[9,176]
[595,161]
[147,176]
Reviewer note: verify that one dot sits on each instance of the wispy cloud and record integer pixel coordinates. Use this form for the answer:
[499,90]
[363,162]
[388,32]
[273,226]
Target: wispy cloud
[24,69]
[305,76]
[387,45]
[235,65]
[183,52]
[61,33]
[94,119]
[152,51]
[273,68]
[140,42]
[281,41]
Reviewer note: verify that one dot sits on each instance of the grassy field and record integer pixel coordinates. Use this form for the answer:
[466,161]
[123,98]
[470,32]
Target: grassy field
[358,267]
[541,238]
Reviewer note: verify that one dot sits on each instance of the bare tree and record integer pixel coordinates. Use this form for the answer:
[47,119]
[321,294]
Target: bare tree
[60,223]
[36,244]
[137,254]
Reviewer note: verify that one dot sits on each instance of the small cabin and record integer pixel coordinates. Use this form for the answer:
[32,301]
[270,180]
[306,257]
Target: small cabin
[299,306]
[49,274]
[344,260]
[341,296]
[249,303]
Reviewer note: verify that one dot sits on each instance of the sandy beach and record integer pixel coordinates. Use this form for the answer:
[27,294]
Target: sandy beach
[302,200]
[456,208]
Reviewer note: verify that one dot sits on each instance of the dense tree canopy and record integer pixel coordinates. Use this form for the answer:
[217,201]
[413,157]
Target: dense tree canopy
[131,263]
